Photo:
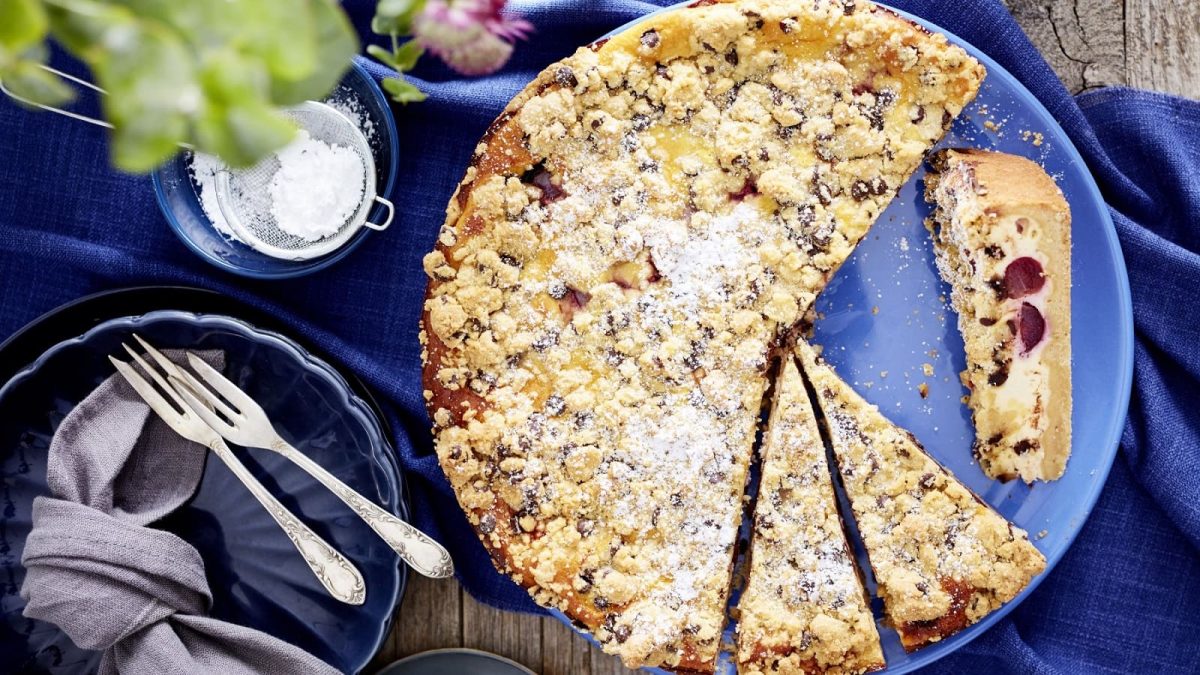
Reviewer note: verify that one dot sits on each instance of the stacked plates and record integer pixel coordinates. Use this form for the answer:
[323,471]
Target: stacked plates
[257,579]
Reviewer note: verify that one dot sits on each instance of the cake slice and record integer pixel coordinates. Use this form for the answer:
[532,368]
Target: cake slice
[942,558]
[1002,232]
[804,609]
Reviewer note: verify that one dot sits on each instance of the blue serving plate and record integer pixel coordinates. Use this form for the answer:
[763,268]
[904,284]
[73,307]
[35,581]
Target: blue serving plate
[180,204]
[256,576]
[884,315]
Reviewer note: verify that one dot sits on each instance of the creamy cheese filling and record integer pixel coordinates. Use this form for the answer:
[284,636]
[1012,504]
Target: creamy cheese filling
[1028,377]
[1009,393]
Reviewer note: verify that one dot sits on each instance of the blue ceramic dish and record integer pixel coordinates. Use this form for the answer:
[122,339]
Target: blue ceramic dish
[884,316]
[455,662]
[256,576]
[180,204]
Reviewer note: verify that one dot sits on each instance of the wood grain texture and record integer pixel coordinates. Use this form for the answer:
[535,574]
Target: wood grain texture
[1162,43]
[514,636]
[1083,40]
[1153,44]
[437,614]
[430,617]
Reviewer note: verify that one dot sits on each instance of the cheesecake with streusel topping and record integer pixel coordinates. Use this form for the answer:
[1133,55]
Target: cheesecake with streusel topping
[1002,234]
[630,237]
[804,609]
[941,557]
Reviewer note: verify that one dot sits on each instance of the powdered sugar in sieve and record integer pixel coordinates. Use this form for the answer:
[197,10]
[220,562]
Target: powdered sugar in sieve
[309,198]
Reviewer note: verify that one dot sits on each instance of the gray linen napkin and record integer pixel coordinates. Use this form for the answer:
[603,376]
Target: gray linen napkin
[94,569]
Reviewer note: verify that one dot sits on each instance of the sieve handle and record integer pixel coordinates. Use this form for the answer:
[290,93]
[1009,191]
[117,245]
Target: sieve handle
[391,213]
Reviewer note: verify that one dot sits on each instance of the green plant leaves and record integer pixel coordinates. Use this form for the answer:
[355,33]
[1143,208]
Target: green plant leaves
[395,17]
[148,72]
[403,59]
[200,72]
[235,121]
[23,24]
[31,82]
[403,91]
[407,54]
[277,32]
[336,45]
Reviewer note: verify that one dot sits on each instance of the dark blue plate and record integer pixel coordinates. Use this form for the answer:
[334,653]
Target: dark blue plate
[256,576]
[455,662]
[884,315]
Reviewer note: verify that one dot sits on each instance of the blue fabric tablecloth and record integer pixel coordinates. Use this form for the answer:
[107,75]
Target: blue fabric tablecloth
[1120,601]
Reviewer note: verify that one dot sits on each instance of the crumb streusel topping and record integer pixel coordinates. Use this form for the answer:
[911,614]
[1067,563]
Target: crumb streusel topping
[631,235]
[942,558]
[1002,233]
[804,609]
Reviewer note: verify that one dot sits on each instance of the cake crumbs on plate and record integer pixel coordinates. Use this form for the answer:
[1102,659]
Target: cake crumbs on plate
[1037,137]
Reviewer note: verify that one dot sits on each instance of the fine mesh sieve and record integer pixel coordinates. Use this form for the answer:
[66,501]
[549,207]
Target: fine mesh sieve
[244,195]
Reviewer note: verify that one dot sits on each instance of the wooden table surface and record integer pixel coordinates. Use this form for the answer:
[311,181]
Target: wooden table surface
[1152,44]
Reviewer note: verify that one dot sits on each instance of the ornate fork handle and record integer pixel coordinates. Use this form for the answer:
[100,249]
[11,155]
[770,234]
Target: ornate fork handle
[337,574]
[422,553]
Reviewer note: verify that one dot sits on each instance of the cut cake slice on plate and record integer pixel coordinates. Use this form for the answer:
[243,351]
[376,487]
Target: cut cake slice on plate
[804,609]
[1002,233]
[942,558]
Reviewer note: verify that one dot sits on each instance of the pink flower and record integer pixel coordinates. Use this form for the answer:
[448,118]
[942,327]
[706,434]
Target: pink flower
[473,37]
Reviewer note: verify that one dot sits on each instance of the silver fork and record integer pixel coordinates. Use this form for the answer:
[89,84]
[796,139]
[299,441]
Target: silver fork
[337,574]
[249,426]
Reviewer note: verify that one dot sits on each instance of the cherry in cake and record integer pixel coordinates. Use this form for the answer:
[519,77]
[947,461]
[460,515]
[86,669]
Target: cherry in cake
[942,559]
[1002,236]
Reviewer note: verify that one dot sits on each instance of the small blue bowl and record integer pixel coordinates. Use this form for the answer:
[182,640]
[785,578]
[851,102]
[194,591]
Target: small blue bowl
[180,203]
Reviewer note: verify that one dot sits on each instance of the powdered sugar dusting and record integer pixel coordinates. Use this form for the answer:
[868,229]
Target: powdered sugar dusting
[686,453]
[347,102]
[698,264]
[204,170]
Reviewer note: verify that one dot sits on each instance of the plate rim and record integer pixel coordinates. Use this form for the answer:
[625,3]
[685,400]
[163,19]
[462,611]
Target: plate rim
[348,397]
[1116,423]
[412,658]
